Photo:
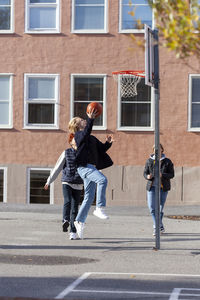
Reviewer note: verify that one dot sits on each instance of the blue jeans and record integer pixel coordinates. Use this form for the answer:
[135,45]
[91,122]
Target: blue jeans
[71,203]
[92,178]
[151,204]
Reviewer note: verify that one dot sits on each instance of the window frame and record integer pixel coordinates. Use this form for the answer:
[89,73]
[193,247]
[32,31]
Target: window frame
[51,187]
[104,76]
[131,30]
[90,31]
[196,31]
[135,128]
[56,30]
[55,101]
[5,180]
[11,30]
[10,101]
[190,128]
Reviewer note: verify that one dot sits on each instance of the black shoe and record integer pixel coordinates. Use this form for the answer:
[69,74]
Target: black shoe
[65,226]
[162,230]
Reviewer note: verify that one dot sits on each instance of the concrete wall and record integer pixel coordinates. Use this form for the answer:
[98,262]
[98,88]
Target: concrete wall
[126,186]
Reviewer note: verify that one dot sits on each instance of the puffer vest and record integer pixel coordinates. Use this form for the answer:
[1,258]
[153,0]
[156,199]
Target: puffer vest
[69,173]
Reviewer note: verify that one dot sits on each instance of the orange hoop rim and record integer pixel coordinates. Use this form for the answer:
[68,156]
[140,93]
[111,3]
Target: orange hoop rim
[139,73]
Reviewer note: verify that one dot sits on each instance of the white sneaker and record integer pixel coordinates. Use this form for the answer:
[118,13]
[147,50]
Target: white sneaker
[72,236]
[100,213]
[79,229]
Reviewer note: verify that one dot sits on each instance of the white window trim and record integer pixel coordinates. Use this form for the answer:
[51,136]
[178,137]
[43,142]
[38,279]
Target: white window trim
[11,30]
[43,30]
[51,187]
[10,125]
[135,128]
[56,102]
[130,30]
[5,180]
[190,128]
[90,31]
[104,76]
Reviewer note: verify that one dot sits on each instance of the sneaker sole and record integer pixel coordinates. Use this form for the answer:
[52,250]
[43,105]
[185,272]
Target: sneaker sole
[102,218]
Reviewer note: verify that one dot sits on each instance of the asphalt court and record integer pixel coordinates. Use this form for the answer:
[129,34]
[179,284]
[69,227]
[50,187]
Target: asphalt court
[100,285]
[115,260]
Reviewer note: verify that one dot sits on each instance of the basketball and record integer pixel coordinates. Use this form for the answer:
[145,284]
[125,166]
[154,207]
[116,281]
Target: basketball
[95,105]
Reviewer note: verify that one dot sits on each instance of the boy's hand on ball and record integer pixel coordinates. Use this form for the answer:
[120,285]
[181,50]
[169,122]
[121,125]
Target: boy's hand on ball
[92,113]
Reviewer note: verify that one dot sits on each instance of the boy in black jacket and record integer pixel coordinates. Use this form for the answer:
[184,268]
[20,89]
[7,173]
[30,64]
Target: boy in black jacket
[166,173]
[91,156]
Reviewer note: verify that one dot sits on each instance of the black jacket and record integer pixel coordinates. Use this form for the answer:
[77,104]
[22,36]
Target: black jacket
[90,150]
[166,169]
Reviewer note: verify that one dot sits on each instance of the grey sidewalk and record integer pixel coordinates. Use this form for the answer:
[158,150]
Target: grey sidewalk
[31,238]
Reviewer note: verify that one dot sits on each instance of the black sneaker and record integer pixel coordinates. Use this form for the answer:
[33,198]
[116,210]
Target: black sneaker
[162,230]
[65,225]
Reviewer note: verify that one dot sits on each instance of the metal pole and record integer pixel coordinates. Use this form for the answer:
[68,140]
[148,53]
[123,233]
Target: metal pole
[157,138]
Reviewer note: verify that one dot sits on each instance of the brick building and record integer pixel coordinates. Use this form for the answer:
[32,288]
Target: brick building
[56,56]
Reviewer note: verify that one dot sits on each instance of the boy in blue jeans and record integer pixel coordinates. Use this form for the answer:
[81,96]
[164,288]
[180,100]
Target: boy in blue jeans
[91,157]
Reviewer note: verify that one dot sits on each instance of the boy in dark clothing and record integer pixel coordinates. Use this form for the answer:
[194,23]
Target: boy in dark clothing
[90,157]
[72,185]
[166,173]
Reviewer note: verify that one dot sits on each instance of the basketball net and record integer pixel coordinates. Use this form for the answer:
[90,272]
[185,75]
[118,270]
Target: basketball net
[128,82]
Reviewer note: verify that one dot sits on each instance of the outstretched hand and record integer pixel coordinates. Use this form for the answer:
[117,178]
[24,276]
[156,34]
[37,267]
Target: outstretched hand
[92,113]
[46,187]
[110,138]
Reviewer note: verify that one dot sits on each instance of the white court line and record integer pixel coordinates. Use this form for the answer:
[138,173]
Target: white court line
[123,292]
[146,274]
[72,286]
[177,292]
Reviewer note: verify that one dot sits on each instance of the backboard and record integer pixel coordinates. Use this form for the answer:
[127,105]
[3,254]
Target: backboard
[149,55]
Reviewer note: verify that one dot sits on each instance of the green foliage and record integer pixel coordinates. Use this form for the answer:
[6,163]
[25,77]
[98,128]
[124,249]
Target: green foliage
[178,23]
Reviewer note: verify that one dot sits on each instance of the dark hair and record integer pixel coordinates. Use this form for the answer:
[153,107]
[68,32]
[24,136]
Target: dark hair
[161,147]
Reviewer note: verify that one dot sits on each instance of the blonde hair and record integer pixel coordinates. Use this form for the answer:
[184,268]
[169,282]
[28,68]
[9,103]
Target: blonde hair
[73,125]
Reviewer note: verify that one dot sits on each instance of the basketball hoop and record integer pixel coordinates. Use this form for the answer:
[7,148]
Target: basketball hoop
[128,81]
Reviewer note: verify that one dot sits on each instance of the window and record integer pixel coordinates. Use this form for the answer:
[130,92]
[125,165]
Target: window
[86,89]
[89,16]
[6,16]
[6,100]
[135,112]
[42,16]
[3,184]
[194,103]
[41,101]
[142,10]
[36,180]
[195,9]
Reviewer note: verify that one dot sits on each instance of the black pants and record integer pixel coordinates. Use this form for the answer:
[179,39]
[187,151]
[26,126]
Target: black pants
[71,203]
